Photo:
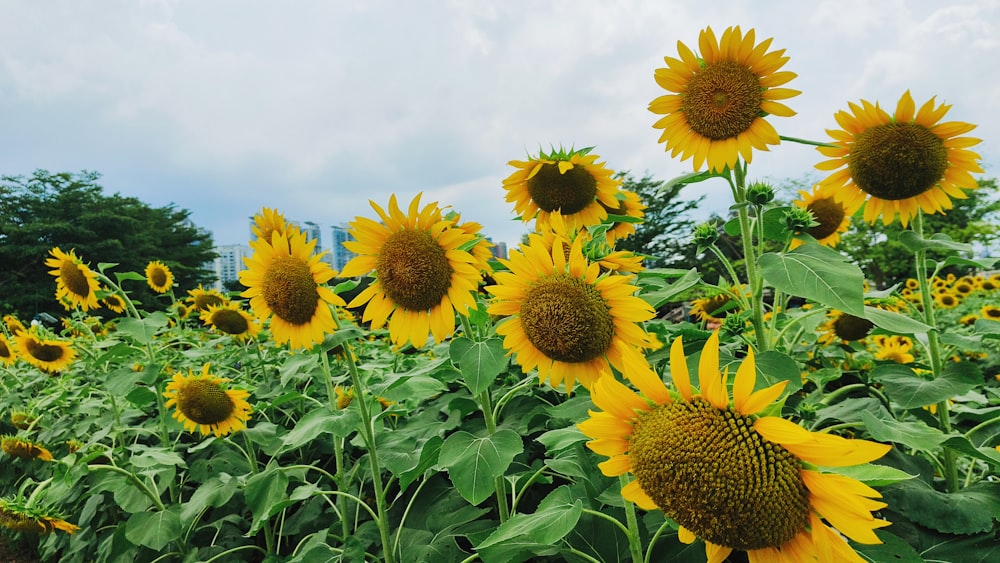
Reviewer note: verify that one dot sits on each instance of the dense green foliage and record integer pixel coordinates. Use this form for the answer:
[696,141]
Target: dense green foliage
[71,211]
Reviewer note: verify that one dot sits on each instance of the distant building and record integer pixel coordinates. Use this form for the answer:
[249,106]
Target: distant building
[339,254]
[229,263]
[499,249]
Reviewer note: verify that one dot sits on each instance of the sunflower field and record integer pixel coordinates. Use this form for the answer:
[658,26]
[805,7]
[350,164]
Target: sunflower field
[433,402]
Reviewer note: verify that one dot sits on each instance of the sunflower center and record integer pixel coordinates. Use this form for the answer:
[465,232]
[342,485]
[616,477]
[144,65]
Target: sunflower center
[44,352]
[74,279]
[5,351]
[829,214]
[568,192]
[991,313]
[205,300]
[230,322]
[290,291]
[717,306]
[897,161]
[709,470]
[722,100]
[414,270]
[567,319]
[849,328]
[204,402]
[158,277]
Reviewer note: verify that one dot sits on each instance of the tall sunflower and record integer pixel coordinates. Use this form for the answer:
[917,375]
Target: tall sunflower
[201,299]
[899,163]
[7,354]
[202,402]
[159,277]
[563,316]
[834,217]
[716,111]
[231,319]
[423,272]
[45,354]
[724,472]
[285,282]
[571,182]
[76,283]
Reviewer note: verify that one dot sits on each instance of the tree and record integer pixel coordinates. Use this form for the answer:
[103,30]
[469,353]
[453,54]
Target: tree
[71,211]
[665,232]
[885,261]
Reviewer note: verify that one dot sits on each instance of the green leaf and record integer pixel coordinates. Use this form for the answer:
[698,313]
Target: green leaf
[527,535]
[915,435]
[263,491]
[968,511]
[429,454]
[666,292]
[561,438]
[340,423]
[480,362]
[214,492]
[142,331]
[873,475]
[122,276]
[773,367]
[154,529]
[473,463]
[895,322]
[980,264]
[908,390]
[892,549]
[964,445]
[817,273]
[938,241]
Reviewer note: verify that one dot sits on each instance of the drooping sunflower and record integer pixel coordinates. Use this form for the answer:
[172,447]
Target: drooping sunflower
[834,217]
[423,274]
[564,317]
[231,319]
[570,182]
[725,473]
[76,283]
[201,299]
[24,448]
[48,355]
[899,163]
[7,354]
[113,302]
[159,277]
[285,282]
[893,348]
[716,111]
[843,328]
[19,515]
[202,402]
[991,312]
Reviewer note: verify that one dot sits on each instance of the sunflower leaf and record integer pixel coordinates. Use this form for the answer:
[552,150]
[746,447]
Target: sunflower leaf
[908,390]
[474,463]
[914,435]
[528,535]
[154,529]
[819,274]
[895,322]
[480,362]
[939,241]
[968,511]
[872,474]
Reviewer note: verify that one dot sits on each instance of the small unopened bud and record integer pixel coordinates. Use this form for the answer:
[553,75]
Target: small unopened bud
[705,235]
[798,219]
[760,193]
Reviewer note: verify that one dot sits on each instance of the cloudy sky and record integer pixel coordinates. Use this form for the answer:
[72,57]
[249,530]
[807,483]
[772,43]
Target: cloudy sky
[314,107]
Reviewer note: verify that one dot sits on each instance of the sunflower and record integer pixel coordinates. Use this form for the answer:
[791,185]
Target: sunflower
[19,515]
[629,206]
[24,449]
[230,318]
[284,282]
[7,354]
[893,348]
[963,288]
[715,308]
[565,317]
[423,274]
[716,111]
[843,327]
[946,299]
[834,217]
[900,163]
[570,182]
[13,325]
[991,312]
[970,319]
[47,355]
[202,402]
[201,299]
[912,284]
[726,474]
[600,251]
[269,221]
[159,277]
[113,302]
[76,284]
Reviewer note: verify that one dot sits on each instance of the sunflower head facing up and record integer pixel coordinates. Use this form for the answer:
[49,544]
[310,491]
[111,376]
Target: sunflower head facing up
[893,348]
[724,472]
[563,316]
[834,217]
[159,277]
[76,283]
[286,283]
[715,111]
[230,318]
[48,355]
[571,182]
[202,402]
[424,270]
[902,163]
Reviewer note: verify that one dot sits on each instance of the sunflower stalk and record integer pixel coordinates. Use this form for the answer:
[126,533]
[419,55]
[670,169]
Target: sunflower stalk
[750,253]
[934,350]
[338,444]
[634,541]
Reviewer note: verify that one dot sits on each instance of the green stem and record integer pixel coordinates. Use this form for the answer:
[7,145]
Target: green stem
[234,550]
[252,463]
[338,445]
[135,481]
[934,351]
[805,142]
[750,260]
[491,429]
[634,541]
[652,541]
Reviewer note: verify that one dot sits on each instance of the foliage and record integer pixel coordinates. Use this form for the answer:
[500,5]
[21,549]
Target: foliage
[664,233]
[71,211]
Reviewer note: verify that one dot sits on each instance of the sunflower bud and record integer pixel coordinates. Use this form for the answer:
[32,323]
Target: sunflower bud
[705,235]
[760,193]
[798,219]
